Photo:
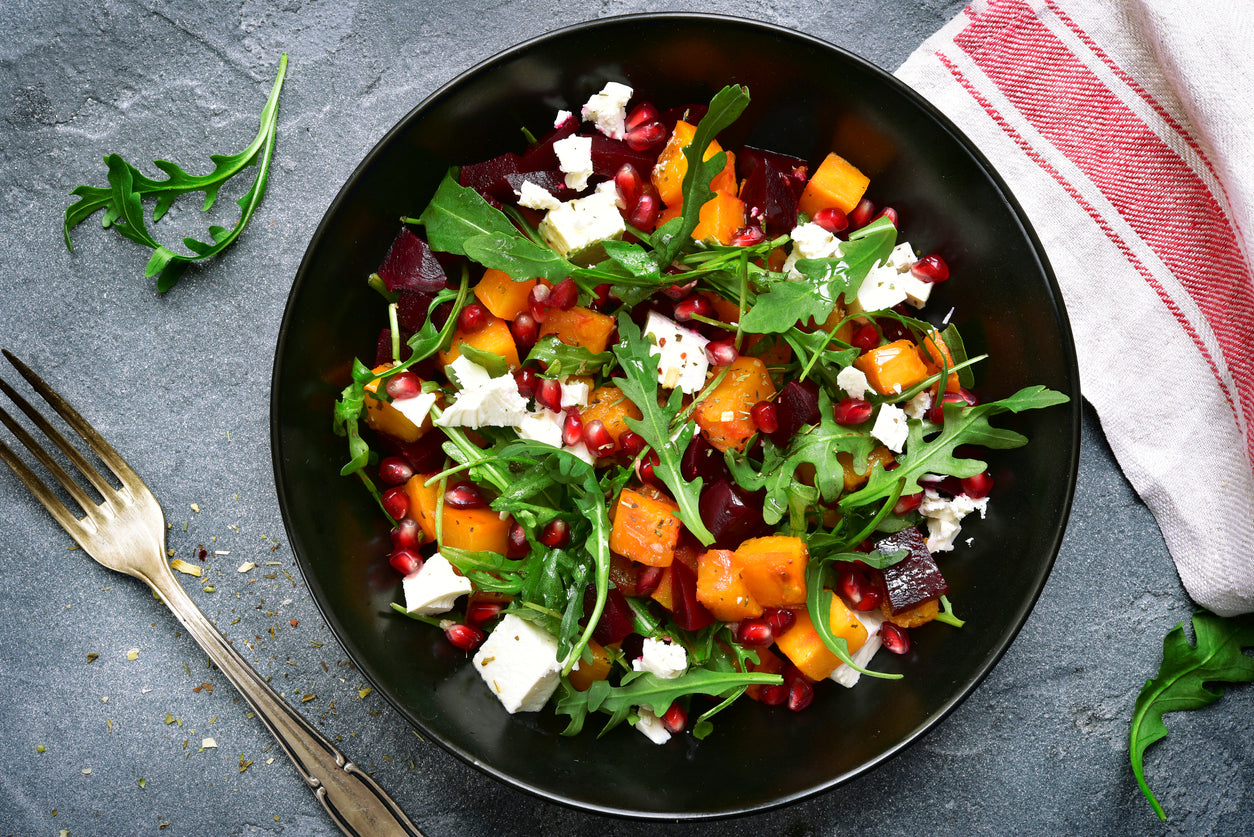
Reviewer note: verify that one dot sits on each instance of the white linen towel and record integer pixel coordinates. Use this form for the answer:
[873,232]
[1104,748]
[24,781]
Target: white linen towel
[1125,128]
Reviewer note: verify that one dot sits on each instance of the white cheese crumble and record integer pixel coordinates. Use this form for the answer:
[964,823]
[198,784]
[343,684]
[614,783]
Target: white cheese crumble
[535,196]
[608,109]
[891,283]
[917,407]
[574,158]
[519,663]
[651,725]
[562,116]
[434,588]
[890,427]
[416,407]
[576,225]
[681,353]
[575,393]
[483,401]
[810,241]
[853,381]
[845,674]
[667,660]
[543,426]
[944,517]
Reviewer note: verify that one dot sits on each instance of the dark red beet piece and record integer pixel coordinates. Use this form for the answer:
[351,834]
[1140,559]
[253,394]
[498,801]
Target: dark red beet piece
[771,187]
[689,613]
[383,347]
[701,459]
[731,515]
[692,114]
[609,155]
[541,156]
[916,578]
[425,456]
[796,405]
[413,308]
[489,177]
[617,619]
[551,181]
[411,266]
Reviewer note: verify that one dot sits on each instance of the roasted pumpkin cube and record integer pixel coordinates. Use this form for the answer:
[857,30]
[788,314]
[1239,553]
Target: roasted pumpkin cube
[774,569]
[612,408]
[893,368]
[493,336]
[501,295]
[721,587]
[835,183]
[382,417]
[645,528]
[470,529]
[724,414]
[579,326]
[668,174]
[804,647]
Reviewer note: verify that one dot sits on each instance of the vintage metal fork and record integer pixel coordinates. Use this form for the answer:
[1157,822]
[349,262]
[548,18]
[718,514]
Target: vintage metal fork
[126,532]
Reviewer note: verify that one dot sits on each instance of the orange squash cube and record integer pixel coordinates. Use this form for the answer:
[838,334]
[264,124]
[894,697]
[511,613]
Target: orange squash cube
[664,594]
[668,174]
[501,295]
[724,414]
[579,326]
[382,417]
[893,367]
[804,647]
[854,478]
[774,569]
[469,529]
[721,587]
[494,336]
[769,663]
[612,408]
[720,217]
[835,183]
[645,528]
[936,356]
[585,673]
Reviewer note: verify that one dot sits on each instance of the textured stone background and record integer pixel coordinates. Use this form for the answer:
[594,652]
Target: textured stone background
[180,384]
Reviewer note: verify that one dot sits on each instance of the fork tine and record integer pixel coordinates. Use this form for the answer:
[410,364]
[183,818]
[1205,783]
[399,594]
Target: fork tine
[103,449]
[68,521]
[80,496]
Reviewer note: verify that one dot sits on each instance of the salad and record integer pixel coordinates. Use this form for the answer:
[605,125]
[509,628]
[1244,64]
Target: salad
[660,425]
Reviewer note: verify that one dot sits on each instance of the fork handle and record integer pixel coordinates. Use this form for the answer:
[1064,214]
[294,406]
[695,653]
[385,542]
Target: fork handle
[356,803]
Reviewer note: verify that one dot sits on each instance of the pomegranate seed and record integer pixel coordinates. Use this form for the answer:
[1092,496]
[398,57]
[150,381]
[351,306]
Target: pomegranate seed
[598,439]
[406,534]
[773,695]
[693,306]
[865,337]
[754,632]
[600,297]
[640,114]
[889,213]
[930,269]
[851,411]
[572,429]
[630,184]
[645,136]
[977,486]
[464,495]
[395,502]
[907,503]
[856,588]
[564,294]
[680,291]
[780,619]
[538,301]
[405,561]
[644,469]
[549,394]
[526,380]
[644,215]
[675,719]
[648,580]
[403,385]
[479,612]
[631,442]
[721,352]
[861,214]
[800,694]
[747,236]
[465,637]
[472,318]
[765,416]
[526,330]
[895,638]
[936,413]
[394,470]
[832,220]
[555,534]
[516,542]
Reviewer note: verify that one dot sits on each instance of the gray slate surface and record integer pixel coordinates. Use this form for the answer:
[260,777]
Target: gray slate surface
[180,384]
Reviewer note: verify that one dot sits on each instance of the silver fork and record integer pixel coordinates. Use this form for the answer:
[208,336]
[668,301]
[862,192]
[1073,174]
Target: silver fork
[126,532]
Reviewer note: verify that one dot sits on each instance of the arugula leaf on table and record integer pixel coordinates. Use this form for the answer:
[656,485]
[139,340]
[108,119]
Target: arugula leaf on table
[122,200]
[640,385]
[562,360]
[1181,682]
[963,425]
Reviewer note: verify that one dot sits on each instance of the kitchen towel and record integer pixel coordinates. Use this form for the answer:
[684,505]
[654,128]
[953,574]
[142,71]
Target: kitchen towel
[1124,129]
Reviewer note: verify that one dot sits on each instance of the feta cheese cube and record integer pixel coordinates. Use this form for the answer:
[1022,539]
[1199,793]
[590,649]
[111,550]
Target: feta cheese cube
[417,407]
[608,109]
[917,407]
[574,158]
[853,381]
[902,257]
[916,290]
[665,659]
[494,403]
[810,241]
[544,425]
[534,196]
[651,725]
[845,674]
[890,427]
[681,353]
[944,517]
[575,393]
[519,663]
[434,588]
[879,290]
[467,374]
[562,116]
[576,227]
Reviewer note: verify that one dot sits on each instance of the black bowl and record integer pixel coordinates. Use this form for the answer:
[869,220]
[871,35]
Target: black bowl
[808,98]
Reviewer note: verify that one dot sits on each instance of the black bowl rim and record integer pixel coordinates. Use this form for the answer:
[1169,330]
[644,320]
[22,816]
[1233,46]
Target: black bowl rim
[1072,372]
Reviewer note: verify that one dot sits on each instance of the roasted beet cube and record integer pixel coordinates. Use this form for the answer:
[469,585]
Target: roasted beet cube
[383,347]
[701,459]
[732,515]
[411,266]
[796,405]
[771,187]
[553,182]
[489,177]
[689,613]
[609,155]
[541,156]
[617,618]
[914,579]
[413,308]
[425,456]
[692,114]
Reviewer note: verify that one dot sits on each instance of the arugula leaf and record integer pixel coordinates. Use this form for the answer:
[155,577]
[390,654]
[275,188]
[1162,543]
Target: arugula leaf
[122,200]
[562,360]
[635,259]
[494,364]
[640,385]
[457,214]
[1181,682]
[517,255]
[785,303]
